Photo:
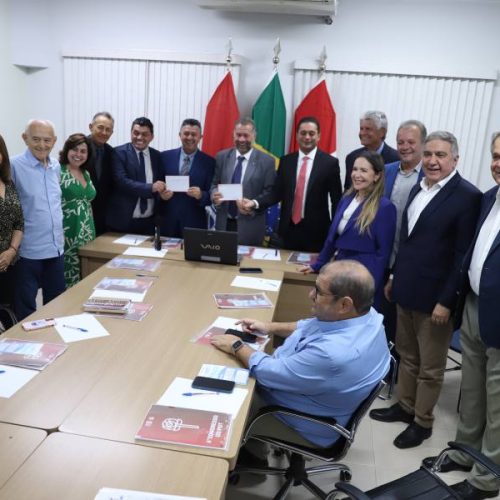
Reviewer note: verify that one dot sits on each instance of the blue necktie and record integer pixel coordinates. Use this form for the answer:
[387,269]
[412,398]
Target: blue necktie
[185,165]
[143,205]
[236,179]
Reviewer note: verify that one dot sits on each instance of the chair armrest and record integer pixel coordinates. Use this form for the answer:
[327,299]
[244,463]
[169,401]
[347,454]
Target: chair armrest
[351,490]
[477,456]
[328,422]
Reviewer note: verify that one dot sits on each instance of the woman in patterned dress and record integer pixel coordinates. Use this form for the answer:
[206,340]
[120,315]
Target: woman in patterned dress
[11,227]
[77,193]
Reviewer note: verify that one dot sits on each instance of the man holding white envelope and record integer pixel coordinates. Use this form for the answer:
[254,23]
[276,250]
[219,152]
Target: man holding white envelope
[188,176]
[242,172]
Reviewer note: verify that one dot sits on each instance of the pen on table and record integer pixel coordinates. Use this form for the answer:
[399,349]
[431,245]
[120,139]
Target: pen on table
[198,393]
[2,371]
[75,328]
[147,275]
[276,252]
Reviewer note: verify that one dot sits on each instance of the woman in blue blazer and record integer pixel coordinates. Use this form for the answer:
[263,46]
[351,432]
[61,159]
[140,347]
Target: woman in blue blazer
[364,224]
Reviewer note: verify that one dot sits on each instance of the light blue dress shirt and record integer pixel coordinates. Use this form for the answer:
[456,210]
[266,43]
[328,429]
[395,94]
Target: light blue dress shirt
[325,368]
[40,194]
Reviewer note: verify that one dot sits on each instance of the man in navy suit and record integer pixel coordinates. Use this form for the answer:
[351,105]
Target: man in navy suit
[400,177]
[100,166]
[305,181]
[372,133]
[437,228]
[255,171]
[136,173]
[180,210]
[479,421]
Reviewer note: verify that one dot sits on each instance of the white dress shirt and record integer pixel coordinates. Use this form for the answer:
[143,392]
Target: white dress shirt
[149,180]
[423,198]
[487,234]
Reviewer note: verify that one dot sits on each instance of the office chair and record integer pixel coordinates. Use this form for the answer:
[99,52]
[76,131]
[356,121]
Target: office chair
[7,318]
[422,484]
[297,474]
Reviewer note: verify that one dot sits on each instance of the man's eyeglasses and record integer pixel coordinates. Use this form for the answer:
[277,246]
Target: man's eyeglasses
[317,291]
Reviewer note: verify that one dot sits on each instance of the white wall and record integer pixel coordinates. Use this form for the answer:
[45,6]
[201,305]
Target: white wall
[407,36]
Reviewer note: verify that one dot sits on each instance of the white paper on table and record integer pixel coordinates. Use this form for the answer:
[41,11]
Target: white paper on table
[230,192]
[226,322]
[266,254]
[257,283]
[220,402]
[177,183]
[146,252]
[116,493]
[117,294]
[85,321]
[13,379]
[237,375]
[131,239]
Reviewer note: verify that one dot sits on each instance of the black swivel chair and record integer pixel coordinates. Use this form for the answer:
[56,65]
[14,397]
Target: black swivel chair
[422,484]
[297,473]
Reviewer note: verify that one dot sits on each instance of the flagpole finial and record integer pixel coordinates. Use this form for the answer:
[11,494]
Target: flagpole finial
[322,60]
[277,51]
[229,50]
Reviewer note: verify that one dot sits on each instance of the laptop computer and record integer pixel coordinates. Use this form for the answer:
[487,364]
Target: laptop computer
[208,245]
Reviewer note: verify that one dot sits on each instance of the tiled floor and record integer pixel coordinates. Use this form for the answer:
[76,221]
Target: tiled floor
[373,458]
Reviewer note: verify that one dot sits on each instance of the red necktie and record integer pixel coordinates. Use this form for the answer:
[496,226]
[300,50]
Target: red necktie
[299,192]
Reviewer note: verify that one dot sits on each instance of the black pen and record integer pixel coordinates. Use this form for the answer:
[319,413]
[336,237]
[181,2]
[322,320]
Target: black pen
[147,275]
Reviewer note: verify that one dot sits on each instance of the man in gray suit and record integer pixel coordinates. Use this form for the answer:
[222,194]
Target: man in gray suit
[253,169]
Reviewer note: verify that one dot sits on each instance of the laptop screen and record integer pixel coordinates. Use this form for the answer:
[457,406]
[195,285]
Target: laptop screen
[208,245]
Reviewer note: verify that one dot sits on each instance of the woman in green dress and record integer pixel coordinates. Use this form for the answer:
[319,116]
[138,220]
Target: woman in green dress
[77,193]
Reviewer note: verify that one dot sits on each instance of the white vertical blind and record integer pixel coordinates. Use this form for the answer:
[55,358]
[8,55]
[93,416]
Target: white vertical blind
[164,91]
[459,105]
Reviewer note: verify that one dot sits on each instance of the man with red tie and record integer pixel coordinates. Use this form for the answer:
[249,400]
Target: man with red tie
[304,182]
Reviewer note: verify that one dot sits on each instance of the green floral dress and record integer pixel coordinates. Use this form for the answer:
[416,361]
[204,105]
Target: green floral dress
[78,221]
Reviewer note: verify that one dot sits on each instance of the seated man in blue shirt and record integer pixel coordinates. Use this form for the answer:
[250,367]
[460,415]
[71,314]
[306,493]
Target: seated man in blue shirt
[36,176]
[328,364]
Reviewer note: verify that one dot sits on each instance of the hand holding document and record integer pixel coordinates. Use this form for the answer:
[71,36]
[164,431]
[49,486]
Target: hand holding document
[177,183]
[230,192]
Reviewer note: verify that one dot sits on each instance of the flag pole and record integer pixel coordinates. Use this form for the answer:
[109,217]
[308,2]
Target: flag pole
[229,56]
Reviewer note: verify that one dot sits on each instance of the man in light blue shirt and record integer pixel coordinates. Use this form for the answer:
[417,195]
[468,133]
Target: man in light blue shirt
[328,364]
[36,176]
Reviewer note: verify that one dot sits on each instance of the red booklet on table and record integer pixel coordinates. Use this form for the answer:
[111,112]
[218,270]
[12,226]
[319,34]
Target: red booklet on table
[29,354]
[185,426]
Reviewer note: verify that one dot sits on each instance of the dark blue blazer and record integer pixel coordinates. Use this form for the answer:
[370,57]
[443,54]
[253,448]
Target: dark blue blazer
[489,284]
[391,172]
[389,155]
[182,210]
[373,248]
[127,187]
[427,266]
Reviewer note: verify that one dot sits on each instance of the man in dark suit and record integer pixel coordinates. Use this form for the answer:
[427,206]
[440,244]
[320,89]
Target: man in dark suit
[255,170]
[436,231]
[136,173]
[180,210]
[372,133]
[304,182]
[100,170]
[478,424]
[400,177]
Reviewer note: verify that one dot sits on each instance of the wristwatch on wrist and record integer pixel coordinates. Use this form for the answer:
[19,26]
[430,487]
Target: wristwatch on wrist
[236,346]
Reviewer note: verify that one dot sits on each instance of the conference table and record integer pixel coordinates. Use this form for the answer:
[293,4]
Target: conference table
[76,467]
[17,443]
[102,388]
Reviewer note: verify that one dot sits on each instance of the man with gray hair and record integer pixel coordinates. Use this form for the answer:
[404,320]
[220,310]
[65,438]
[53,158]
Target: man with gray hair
[436,230]
[372,133]
[327,365]
[36,176]
[255,171]
[479,420]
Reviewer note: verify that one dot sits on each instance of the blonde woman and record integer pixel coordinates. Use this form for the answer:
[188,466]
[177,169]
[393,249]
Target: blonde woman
[364,224]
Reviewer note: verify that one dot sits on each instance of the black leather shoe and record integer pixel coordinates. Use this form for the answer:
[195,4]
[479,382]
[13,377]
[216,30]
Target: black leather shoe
[447,465]
[394,413]
[412,436]
[466,491]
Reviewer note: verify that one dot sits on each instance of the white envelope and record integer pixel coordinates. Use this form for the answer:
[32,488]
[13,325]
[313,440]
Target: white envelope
[177,183]
[231,192]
